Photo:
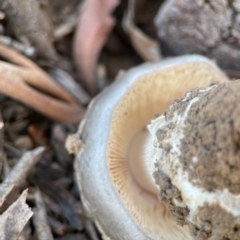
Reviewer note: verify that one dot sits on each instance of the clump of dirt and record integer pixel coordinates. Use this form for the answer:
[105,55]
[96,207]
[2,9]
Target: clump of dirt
[202,131]
[215,221]
[211,146]
[208,27]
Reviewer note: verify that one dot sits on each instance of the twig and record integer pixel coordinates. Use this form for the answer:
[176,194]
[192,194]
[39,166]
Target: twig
[65,80]
[43,81]
[40,219]
[13,83]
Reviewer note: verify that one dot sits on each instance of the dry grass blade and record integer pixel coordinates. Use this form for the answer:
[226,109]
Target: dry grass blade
[13,83]
[40,219]
[13,220]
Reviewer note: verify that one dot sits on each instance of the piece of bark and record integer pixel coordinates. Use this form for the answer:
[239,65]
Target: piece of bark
[26,232]
[15,179]
[13,220]
[31,25]
[40,219]
[211,28]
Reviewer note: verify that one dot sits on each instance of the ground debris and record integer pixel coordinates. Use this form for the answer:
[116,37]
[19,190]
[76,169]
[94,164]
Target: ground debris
[57,227]
[13,220]
[40,218]
[16,178]
[147,48]
[54,34]
[16,81]
[76,236]
[38,31]
[69,206]
[25,49]
[74,144]
[65,80]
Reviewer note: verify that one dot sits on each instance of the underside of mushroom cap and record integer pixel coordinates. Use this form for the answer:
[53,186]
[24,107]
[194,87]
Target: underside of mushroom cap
[118,201]
[197,147]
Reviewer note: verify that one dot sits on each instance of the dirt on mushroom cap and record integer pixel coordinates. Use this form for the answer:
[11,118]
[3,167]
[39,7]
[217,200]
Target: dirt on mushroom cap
[209,153]
[211,145]
[217,222]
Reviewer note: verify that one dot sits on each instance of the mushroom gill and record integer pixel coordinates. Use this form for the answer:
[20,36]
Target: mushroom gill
[114,172]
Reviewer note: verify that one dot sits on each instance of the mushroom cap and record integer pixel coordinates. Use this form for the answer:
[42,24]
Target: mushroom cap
[121,208]
[199,170]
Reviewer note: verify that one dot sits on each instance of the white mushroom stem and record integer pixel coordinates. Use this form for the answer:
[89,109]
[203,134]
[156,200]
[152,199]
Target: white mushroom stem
[140,155]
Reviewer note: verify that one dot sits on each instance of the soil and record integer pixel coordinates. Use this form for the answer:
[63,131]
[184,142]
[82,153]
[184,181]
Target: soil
[213,138]
[209,27]
[209,153]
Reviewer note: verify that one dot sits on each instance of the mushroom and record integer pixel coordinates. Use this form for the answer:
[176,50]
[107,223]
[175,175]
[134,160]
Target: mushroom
[197,152]
[114,170]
